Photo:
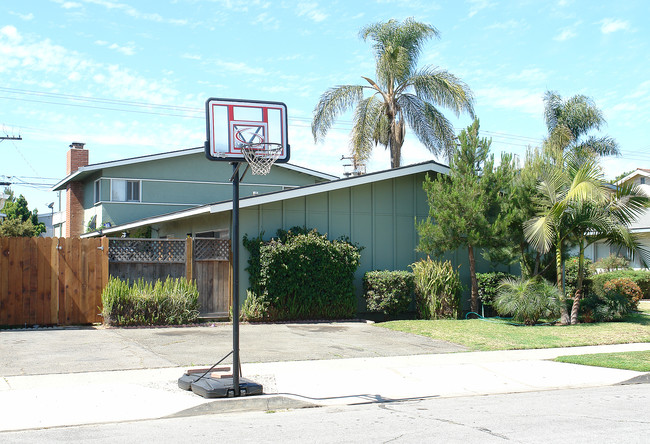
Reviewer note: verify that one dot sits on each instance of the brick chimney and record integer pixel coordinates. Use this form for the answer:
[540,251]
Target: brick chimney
[74,211]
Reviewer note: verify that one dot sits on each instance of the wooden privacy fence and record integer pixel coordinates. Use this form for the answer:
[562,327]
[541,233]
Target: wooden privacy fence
[52,280]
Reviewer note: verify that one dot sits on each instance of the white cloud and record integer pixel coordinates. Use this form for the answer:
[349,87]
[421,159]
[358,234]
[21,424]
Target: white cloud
[266,21]
[26,17]
[312,11]
[532,75]
[566,34]
[477,6]
[191,56]
[11,33]
[608,25]
[509,25]
[126,50]
[516,100]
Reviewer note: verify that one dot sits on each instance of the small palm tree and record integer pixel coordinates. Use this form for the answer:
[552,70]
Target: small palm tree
[528,300]
[400,94]
[569,121]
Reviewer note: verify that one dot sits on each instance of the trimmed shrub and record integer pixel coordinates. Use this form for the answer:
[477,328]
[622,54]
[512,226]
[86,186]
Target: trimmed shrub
[388,292]
[639,277]
[172,302]
[627,288]
[305,276]
[437,289]
[488,285]
[528,300]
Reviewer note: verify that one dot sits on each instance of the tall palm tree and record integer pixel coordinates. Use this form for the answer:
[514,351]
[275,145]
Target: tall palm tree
[399,95]
[569,122]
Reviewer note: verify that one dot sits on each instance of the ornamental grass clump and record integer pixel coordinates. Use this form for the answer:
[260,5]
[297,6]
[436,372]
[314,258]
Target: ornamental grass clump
[437,289]
[172,302]
[528,300]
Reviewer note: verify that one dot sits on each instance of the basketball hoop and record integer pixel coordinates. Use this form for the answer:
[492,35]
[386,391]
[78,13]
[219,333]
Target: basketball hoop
[261,156]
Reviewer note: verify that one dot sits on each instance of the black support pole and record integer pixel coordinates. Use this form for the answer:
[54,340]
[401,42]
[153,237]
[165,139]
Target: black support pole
[234,240]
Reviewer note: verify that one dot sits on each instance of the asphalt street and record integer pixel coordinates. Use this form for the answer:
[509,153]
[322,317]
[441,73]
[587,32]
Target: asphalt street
[594,415]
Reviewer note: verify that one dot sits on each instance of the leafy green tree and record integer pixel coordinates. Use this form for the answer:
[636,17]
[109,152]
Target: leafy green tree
[17,209]
[464,206]
[18,228]
[570,121]
[400,94]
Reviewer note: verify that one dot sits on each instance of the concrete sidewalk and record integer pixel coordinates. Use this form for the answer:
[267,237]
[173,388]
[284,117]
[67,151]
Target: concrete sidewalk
[51,400]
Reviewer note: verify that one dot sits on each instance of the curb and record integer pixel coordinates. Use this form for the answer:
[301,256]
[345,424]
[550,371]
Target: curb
[245,404]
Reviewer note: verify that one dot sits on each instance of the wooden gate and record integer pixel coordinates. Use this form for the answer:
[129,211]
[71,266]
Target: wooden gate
[212,273]
[45,281]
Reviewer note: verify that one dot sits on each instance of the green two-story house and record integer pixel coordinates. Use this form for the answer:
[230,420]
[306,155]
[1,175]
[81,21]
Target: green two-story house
[102,195]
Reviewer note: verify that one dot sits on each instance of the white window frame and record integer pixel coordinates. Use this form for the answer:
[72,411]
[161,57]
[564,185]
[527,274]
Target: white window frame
[97,187]
[125,183]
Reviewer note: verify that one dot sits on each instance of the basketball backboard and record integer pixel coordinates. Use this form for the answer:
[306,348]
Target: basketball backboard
[233,122]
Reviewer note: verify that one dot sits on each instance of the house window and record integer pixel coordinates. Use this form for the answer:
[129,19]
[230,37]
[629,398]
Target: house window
[125,190]
[642,180]
[97,191]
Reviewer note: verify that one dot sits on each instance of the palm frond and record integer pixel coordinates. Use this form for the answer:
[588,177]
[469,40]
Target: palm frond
[603,146]
[333,102]
[367,122]
[540,233]
[431,127]
[440,87]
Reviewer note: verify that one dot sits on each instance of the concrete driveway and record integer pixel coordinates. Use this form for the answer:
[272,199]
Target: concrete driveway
[76,350]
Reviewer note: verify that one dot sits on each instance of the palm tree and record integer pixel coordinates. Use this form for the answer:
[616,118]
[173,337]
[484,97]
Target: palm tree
[562,186]
[569,122]
[577,206]
[400,94]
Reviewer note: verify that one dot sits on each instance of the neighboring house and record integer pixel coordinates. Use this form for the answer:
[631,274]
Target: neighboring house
[641,227]
[377,211]
[107,194]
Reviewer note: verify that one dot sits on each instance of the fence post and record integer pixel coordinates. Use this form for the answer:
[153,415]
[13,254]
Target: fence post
[188,259]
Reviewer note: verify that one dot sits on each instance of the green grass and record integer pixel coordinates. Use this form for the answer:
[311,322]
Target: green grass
[483,335]
[638,361]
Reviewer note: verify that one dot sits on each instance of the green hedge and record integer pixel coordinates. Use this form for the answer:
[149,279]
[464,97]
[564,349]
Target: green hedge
[488,285]
[302,275]
[388,292]
[172,302]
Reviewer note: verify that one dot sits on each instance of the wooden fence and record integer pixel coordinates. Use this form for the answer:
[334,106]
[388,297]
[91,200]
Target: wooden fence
[52,280]
[46,281]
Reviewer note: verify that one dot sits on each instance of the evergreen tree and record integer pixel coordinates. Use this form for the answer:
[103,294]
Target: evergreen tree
[464,206]
[17,209]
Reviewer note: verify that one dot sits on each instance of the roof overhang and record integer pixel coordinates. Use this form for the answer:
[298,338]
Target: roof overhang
[250,201]
[88,170]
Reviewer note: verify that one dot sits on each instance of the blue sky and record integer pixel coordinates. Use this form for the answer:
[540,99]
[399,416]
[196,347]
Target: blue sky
[131,78]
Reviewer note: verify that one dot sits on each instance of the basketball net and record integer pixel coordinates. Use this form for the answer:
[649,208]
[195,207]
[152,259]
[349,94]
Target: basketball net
[260,156]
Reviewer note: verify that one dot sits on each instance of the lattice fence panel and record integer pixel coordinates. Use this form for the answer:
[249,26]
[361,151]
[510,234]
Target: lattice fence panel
[211,249]
[170,251]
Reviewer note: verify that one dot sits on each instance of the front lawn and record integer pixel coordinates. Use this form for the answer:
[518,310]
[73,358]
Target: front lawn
[638,361]
[479,334]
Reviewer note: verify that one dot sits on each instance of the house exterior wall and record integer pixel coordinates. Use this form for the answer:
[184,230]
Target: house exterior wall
[173,184]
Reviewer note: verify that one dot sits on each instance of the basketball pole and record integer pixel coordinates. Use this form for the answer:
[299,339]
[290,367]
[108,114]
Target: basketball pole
[235,277]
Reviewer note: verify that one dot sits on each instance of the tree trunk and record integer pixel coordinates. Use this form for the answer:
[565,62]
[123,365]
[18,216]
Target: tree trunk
[473,280]
[581,272]
[396,142]
[560,284]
